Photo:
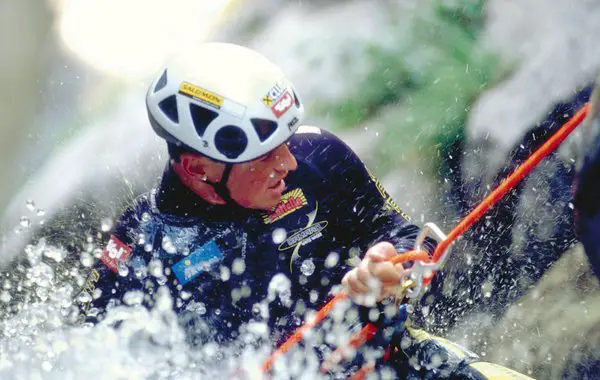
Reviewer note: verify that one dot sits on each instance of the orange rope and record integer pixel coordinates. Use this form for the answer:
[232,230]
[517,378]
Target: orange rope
[508,184]
[512,180]
[363,336]
[299,334]
[325,310]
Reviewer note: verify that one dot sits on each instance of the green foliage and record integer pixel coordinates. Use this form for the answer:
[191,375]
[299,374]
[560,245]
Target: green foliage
[468,14]
[387,83]
[421,90]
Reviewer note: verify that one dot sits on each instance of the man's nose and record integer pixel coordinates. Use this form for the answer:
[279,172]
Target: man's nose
[285,160]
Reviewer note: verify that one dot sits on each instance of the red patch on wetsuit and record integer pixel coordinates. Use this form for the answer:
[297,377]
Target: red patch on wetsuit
[115,252]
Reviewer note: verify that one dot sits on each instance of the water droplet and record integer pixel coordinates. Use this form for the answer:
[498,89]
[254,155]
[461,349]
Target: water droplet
[55,254]
[145,217]
[167,245]
[140,270]
[123,269]
[279,235]
[86,259]
[280,286]
[40,212]
[25,222]
[30,204]
[106,225]
[246,291]
[84,297]
[373,315]
[5,297]
[487,289]
[436,361]
[308,267]
[185,295]
[332,260]
[217,311]
[238,267]
[196,307]
[46,366]
[155,267]
[133,297]
[571,206]
[225,273]
[42,275]
[236,294]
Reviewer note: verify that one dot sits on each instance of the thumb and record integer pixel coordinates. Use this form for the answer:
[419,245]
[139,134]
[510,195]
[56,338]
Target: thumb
[381,252]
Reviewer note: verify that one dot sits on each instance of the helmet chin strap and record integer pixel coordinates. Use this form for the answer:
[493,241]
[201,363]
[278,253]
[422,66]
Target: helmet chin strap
[221,186]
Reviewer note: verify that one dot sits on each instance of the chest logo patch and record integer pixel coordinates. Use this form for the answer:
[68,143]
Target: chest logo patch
[312,231]
[304,236]
[290,202]
[201,260]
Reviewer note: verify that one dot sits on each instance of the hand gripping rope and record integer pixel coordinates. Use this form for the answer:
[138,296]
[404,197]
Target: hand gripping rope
[423,270]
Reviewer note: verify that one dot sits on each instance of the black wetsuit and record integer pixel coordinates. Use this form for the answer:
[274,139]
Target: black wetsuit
[224,265]
[225,257]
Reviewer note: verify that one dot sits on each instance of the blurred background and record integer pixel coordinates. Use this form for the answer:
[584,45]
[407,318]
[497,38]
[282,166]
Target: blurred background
[441,99]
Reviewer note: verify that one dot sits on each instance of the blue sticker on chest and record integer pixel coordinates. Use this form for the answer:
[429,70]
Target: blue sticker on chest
[199,261]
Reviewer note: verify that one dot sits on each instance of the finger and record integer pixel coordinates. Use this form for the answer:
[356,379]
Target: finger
[386,272]
[363,274]
[381,252]
[355,285]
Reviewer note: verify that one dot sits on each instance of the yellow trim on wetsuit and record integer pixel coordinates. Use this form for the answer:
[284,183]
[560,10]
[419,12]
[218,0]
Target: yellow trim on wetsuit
[496,372]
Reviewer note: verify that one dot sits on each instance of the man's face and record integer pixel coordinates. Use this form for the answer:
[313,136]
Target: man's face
[259,184]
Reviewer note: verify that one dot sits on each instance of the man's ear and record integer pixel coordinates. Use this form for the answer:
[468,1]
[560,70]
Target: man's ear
[193,165]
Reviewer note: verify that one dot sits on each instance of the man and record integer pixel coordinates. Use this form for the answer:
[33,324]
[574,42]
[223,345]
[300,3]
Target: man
[254,210]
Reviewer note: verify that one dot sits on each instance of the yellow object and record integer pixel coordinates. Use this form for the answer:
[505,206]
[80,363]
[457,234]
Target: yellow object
[201,94]
[497,372]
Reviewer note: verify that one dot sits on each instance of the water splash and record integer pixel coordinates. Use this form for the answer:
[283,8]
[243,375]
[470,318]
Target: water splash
[30,204]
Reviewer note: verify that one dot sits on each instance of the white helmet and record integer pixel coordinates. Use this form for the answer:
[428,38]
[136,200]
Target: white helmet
[224,101]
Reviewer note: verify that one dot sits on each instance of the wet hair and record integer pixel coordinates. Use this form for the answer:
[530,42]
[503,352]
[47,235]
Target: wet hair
[176,150]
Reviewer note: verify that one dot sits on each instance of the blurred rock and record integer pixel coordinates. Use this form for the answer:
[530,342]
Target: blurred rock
[529,229]
[88,181]
[554,55]
[319,44]
[552,331]
[26,56]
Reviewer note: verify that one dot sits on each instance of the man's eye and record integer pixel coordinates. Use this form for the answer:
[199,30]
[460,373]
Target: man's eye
[266,156]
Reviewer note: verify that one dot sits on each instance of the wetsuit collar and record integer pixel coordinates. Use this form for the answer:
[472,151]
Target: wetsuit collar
[173,197]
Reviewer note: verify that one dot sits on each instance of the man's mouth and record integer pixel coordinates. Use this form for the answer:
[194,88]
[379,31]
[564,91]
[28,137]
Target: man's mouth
[279,186]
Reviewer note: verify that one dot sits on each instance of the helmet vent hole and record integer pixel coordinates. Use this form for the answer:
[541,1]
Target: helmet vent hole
[201,117]
[162,82]
[264,128]
[169,108]
[231,141]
